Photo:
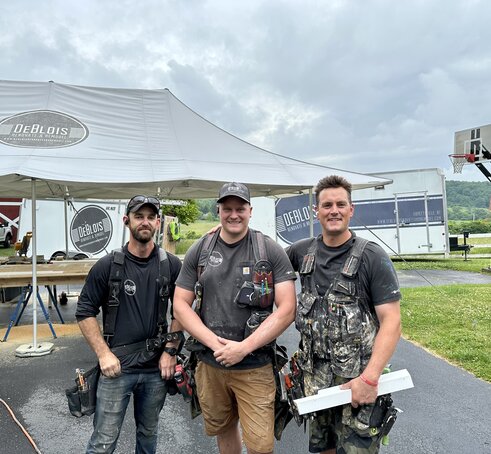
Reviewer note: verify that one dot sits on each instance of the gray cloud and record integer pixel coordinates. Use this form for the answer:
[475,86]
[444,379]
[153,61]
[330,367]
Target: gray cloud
[363,86]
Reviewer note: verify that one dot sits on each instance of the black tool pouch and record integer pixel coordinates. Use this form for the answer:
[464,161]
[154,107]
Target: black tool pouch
[74,404]
[81,402]
[190,363]
[253,322]
[383,404]
[193,345]
[380,415]
[249,295]
[264,282]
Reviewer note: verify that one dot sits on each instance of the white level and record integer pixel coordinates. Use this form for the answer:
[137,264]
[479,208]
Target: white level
[334,396]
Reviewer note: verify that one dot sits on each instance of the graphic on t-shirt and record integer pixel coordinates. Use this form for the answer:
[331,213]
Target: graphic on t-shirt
[215,259]
[129,287]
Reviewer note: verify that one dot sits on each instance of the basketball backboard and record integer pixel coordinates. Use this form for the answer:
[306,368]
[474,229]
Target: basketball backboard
[476,142]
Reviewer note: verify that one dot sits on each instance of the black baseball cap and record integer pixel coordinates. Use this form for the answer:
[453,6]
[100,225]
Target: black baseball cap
[138,201]
[239,190]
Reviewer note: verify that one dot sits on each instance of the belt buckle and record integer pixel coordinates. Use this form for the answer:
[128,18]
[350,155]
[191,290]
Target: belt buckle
[150,345]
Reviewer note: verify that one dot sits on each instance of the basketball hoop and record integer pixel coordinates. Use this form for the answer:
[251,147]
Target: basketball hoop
[458,161]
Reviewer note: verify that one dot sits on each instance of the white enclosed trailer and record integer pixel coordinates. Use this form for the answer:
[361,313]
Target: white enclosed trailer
[408,216]
[86,228]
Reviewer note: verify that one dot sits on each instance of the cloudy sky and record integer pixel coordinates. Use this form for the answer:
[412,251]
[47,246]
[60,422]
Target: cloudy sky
[360,85]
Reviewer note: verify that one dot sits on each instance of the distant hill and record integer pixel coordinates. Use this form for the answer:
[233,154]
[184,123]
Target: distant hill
[468,200]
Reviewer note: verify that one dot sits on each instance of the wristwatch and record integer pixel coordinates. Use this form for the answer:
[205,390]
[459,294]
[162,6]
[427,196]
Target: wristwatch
[172,351]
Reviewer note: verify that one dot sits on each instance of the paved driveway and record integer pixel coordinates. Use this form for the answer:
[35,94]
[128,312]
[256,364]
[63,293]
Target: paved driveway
[448,411]
[420,278]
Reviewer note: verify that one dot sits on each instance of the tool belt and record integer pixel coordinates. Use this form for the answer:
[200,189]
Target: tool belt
[150,345]
[82,397]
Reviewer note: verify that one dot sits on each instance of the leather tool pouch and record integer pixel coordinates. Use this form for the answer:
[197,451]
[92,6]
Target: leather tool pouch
[82,400]
[260,292]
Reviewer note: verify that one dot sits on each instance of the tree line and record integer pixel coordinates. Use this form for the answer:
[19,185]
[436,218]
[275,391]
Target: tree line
[468,200]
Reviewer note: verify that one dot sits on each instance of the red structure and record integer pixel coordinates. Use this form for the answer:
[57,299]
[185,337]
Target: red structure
[9,213]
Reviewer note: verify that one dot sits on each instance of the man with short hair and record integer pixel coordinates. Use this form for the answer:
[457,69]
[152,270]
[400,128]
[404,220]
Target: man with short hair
[348,315]
[127,366]
[234,376]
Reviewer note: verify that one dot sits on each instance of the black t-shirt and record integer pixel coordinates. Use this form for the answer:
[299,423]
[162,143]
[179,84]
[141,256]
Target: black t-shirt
[230,265]
[137,315]
[378,279]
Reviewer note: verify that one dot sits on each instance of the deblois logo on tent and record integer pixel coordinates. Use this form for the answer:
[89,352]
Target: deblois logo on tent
[42,129]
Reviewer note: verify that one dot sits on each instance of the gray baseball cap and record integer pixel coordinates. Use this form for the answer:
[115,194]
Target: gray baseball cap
[239,190]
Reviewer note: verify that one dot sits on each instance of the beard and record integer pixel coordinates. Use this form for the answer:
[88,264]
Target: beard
[143,236]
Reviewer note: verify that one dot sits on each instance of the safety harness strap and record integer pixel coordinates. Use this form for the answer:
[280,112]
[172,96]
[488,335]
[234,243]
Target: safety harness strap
[206,249]
[258,245]
[115,285]
[353,261]
[164,289]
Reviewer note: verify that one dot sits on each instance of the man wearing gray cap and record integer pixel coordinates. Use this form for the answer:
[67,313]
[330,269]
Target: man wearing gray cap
[132,286]
[236,276]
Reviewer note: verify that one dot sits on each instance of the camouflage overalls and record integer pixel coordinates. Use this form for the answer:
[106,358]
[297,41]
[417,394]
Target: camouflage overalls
[337,335]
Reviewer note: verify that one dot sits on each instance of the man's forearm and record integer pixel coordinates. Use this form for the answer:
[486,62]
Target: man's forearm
[92,333]
[384,346]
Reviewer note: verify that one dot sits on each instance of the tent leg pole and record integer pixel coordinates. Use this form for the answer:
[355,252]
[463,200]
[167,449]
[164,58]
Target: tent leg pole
[44,348]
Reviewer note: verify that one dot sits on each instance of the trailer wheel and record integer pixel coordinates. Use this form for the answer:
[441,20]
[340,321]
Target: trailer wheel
[58,254]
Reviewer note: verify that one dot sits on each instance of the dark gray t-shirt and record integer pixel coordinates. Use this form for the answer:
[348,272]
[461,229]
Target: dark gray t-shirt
[228,267]
[137,315]
[378,279]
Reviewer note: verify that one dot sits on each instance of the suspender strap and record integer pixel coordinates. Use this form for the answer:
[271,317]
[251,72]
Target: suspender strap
[307,268]
[309,258]
[353,261]
[258,245]
[115,284]
[164,289]
[206,250]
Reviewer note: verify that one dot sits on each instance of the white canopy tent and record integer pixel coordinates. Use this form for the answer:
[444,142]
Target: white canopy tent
[134,141]
[61,140]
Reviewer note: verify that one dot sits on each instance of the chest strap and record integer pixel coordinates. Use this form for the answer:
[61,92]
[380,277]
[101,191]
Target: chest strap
[206,249]
[115,284]
[353,261]
[116,276]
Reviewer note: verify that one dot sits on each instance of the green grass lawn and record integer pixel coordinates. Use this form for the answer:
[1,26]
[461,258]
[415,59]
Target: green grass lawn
[452,321]
[196,230]
[426,263]
[6,252]
[199,227]
[476,240]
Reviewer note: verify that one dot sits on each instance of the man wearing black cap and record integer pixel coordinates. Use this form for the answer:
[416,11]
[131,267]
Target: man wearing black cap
[236,289]
[127,367]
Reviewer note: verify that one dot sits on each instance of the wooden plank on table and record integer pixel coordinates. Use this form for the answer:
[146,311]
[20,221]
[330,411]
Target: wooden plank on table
[66,272]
